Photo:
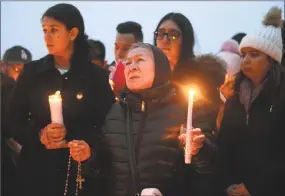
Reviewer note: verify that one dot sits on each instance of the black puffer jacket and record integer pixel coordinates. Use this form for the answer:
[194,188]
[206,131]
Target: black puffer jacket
[143,145]
[140,147]
[141,136]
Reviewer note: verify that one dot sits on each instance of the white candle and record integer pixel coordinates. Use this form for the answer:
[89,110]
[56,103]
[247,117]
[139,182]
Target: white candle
[188,142]
[55,104]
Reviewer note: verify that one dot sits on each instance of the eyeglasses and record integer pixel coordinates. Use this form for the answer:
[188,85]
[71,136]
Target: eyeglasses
[171,35]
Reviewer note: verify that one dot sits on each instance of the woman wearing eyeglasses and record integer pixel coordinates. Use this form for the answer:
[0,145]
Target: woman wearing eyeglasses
[174,35]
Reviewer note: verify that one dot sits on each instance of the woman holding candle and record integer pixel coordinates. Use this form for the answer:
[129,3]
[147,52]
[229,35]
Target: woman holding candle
[140,146]
[209,76]
[85,96]
[251,137]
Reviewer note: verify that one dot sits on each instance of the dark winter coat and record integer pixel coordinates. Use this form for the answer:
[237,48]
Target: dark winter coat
[140,146]
[251,144]
[43,171]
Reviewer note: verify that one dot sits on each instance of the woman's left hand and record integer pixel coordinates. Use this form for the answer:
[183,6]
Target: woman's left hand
[79,150]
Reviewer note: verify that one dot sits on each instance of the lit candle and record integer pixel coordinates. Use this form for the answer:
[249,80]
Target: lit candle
[55,104]
[188,142]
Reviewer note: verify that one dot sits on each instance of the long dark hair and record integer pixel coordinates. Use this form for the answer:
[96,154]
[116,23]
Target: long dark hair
[70,16]
[187,46]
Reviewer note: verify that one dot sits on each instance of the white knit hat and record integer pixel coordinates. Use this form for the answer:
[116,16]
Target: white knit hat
[268,39]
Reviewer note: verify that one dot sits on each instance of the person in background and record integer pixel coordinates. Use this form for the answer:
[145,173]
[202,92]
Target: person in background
[97,53]
[238,37]
[251,138]
[12,64]
[9,149]
[229,52]
[128,33]
[14,59]
[46,167]
[174,35]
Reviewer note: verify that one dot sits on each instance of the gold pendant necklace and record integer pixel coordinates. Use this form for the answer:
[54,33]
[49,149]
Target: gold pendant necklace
[79,178]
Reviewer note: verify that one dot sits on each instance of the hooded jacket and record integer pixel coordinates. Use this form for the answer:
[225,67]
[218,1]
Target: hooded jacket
[140,147]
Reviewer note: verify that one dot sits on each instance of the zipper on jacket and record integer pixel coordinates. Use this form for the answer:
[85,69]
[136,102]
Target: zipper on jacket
[248,109]
[247,118]
[271,107]
[131,152]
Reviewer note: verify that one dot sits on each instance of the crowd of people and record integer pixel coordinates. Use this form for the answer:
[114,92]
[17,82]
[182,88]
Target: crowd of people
[123,129]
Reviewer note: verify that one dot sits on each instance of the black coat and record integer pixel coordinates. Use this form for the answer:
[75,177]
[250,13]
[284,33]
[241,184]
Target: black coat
[252,147]
[141,149]
[43,172]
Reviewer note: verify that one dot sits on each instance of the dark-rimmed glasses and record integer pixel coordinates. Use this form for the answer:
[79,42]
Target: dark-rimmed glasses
[171,35]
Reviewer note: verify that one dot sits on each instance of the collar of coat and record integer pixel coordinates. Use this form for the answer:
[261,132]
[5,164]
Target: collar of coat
[47,63]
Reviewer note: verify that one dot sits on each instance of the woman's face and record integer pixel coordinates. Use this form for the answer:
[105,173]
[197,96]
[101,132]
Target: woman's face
[140,69]
[170,44]
[254,64]
[58,38]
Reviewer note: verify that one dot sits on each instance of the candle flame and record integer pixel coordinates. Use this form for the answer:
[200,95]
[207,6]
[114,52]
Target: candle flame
[192,92]
[55,96]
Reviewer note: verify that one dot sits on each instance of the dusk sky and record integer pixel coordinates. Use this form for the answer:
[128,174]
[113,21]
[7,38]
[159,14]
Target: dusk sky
[213,22]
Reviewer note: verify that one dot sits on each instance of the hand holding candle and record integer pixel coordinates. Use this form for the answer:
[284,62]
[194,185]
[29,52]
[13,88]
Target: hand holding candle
[52,136]
[191,138]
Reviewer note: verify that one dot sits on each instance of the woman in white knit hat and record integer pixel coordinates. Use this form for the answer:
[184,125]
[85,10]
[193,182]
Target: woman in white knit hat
[251,137]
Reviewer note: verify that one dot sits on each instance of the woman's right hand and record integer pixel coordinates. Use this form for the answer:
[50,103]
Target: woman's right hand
[227,89]
[52,136]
